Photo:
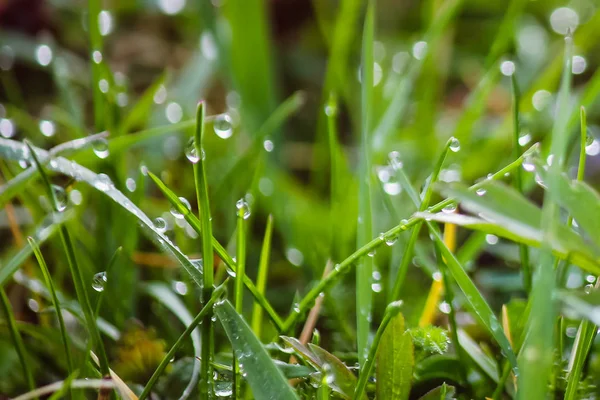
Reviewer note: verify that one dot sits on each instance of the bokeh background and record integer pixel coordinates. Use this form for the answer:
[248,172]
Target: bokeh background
[266,70]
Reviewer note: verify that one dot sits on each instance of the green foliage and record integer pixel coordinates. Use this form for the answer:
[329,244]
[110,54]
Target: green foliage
[429,341]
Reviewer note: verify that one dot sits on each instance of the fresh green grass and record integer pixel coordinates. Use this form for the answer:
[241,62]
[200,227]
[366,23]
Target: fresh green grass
[385,206]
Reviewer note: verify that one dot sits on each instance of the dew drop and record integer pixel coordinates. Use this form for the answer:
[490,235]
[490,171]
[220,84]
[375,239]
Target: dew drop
[99,281]
[244,208]
[97,57]
[47,128]
[528,164]
[101,148]
[102,182]
[450,208]
[61,197]
[481,192]
[294,256]
[507,68]
[419,50]
[175,212]
[491,239]
[160,225]
[268,145]
[445,307]
[395,160]
[564,19]
[454,144]
[103,85]
[190,151]
[390,239]
[7,128]
[130,184]
[593,149]
[524,138]
[223,126]
[578,65]
[180,287]
[75,197]
[171,7]
[173,112]
[372,253]
[105,22]
[43,55]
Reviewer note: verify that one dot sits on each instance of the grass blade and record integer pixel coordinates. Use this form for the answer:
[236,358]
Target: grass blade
[17,339]
[207,252]
[365,229]
[261,281]
[50,285]
[242,209]
[263,376]
[76,273]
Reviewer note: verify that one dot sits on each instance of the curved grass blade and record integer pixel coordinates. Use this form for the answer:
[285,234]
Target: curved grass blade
[164,295]
[263,376]
[78,281]
[61,322]
[206,309]
[16,338]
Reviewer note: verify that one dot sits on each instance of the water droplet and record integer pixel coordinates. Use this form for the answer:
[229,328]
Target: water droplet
[541,99]
[180,287]
[445,307]
[524,138]
[540,181]
[372,253]
[481,192]
[75,197]
[190,151]
[243,207]
[395,160]
[60,196]
[268,145]
[43,55]
[33,305]
[103,85]
[454,144]
[593,149]
[223,126]
[105,22]
[224,389]
[376,287]
[564,19]
[330,110]
[578,65]
[491,239]
[173,112]
[101,148]
[175,212]
[403,222]
[171,7]
[507,68]
[437,276]
[450,208]
[528,164]
[160,95]
[265,185]
[377,74]
[294,256]
[102,182]
[451,174]
[392,188]
[588,288]
[7,128]
[122,99]
[390,239]
[590,278]
[160,225]
[47,128]
[97,57]
[419,50]
[99,281]
[130,184]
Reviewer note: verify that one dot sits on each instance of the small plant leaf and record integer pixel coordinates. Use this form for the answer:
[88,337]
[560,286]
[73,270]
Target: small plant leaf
[395,361]
[444,392]
[263,376]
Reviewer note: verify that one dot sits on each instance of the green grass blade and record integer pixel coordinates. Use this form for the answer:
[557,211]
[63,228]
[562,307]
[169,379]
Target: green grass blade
[261,281]
[207,252]
[262,375]
[219,249]
[242,209]
[538,357]
[388,345]
[50,285]
[76,273]
[475,299]
[206,310]
[109,269]
[17,339]
[164,295]
[365,229]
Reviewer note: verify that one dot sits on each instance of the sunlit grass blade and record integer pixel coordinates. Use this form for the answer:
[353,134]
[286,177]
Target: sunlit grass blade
[365,229]
[261,281]
[536,365]
[344,266]
[262,375]
[391,312]
[17,339]
[219,249]
[55,302]
[206,310]
[76,273]
[242,209]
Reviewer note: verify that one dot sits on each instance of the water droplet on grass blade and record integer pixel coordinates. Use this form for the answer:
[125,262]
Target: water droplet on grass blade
[160,225]
[180,287]
[450,208]
[176,213]
[7,128]
[524,138]
[223,126]
[243,207]
[101,148]
[563,20]
[593,149]
[75,197]
[507,68]
[130,184]
[61,197]
[99,281]
[102,182]
[105,22]
[481,192]
[47,128]
[268,145]
[190,151]
[173,112]
[454,144]
[43,55]
[294,256]
[97,56]
[578,65]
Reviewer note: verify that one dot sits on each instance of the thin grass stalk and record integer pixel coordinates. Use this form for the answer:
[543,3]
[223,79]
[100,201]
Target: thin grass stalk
[56,303]
[95,41]
[364,270]
[109,268]
[331,113]
[340,269]
[16,338]
[518,179]
[261,281]
[207,253]
[390,312]
[239,287]
[76,273]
